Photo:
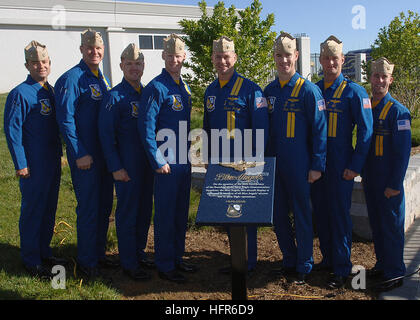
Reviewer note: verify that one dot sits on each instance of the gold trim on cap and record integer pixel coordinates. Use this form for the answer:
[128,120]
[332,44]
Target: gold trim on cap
[35,51]
[332,46]
[132,52]
[91,37]
[173,44]
[223,44]
[285,43]
[382,65]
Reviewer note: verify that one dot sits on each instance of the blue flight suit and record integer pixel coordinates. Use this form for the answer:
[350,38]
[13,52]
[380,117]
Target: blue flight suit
[240,105]
[385,167]
[33,139]
[347,105]
[78,97]
[123,149]
[298,140]
[166,105]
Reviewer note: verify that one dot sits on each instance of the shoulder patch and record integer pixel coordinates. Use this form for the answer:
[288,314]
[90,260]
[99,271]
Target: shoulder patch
[366,103]
[403,125]
[321,105]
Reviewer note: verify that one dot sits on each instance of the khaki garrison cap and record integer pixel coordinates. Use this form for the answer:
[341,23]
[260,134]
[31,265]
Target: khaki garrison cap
[285,43]
[331,47]
[132,52]
[223,44]
[173,44]
[35,51]
[382,65]
[92,38]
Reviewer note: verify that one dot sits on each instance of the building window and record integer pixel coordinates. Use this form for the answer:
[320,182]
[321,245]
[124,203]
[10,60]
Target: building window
[151,42]
[158,42]
[146,42]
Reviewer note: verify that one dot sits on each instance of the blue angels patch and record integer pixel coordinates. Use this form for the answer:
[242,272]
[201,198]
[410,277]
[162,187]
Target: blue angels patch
[177,103]
[95,91]
[135,108]
[321,105]
[211,103]
[261,102]
[270,103]
[46,108]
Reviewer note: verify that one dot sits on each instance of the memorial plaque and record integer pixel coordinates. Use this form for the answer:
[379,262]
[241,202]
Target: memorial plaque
[238,194]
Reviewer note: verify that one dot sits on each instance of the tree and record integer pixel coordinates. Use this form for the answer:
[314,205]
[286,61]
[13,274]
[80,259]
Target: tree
[253,44]
[400,43]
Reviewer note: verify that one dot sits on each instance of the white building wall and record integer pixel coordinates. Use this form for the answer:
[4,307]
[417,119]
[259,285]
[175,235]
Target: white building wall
[59,23]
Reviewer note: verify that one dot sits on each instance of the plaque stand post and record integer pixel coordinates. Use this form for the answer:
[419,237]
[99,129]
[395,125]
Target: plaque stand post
[238,254]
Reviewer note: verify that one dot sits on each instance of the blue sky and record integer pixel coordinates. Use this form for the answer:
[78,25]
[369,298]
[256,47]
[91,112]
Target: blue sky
[319,19]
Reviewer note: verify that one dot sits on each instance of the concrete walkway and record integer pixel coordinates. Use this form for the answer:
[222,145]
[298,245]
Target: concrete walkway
[410,290]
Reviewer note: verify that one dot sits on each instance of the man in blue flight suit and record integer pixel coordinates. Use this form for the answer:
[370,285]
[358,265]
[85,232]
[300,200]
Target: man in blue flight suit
[126,159]
[78,97]
[33,139]
[383,177]
[233,104]
[348,105]
[298,140]
[165,108]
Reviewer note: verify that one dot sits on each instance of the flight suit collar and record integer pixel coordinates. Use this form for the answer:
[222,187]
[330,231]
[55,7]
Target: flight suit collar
[383,101]
[128,87]
[35,84]
[169,77]
[293,80]
[85,67]
[231,82]
[336,83]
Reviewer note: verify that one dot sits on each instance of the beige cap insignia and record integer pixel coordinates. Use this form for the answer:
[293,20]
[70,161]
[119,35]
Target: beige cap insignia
[382,65]
[132,52]
[332,46]
[173,44]
[35,51]
[92,38]
[223,44]
[285,43]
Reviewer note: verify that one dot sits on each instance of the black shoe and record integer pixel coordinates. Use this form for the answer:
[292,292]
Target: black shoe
[321,267]
[186,267]
[137,274]
[389,285]
[107,262]
[300,278]
[39,271]
[374,273]
[250,273]
[173,276]
[225,270]
[54,261]
[284,272]
[336,282]
[228,270]
[92,274]
[147,263]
